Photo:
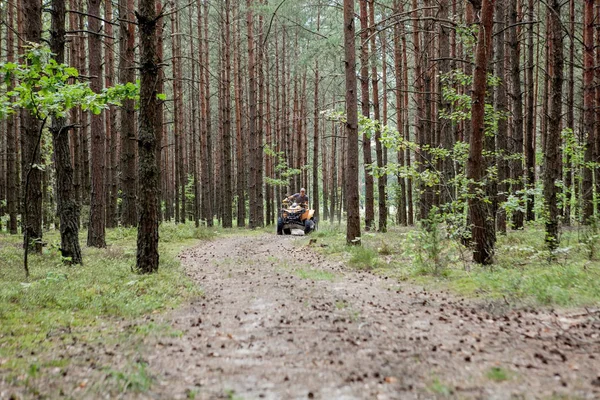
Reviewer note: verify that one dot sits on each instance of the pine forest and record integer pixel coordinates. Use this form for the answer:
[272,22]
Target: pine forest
[153,152]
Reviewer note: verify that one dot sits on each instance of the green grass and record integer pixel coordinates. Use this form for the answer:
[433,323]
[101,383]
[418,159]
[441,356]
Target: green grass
[314,274]
[498,374]
[60,301]
[440,388]
[523,273]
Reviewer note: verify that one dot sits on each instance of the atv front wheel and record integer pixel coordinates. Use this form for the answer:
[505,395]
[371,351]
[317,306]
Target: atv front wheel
[279,226]
[309,226]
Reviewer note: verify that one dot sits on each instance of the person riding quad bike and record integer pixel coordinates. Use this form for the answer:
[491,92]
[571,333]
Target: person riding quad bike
[296,215]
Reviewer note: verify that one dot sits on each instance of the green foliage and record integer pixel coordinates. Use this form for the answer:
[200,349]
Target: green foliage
[49,89]
[282,169]
[590,239]
[362,257]
[428,245]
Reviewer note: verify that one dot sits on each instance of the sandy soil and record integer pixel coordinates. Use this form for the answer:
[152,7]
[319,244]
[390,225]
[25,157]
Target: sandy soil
[279,321]
[266,330]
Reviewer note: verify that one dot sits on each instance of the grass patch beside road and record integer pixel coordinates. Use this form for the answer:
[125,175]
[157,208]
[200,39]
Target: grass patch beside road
[83,302]
[523,273]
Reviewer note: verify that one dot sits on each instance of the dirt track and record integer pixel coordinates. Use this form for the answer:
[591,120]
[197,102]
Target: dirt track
[267,330]
[279,321]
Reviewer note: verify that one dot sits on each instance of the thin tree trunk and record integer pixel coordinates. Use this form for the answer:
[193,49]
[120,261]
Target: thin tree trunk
[552,156]
[530,122]
[381,180]
[147,239]
[31,178]
[252,119]
[398,67]
[67,207]
[11,137]
[97,225]
[226,171]
[365,111]
[127,119]
[111,124]
[502,108]
[316,121]
[517,111]
[568,170]
[479,213]
[589,121]
[351,179]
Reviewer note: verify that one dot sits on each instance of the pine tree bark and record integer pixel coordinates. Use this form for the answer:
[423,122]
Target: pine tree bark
[147,240]
[447,137]
[530,119]
[589,121]
[381,180]
[240,146]
[159,128]
[31,178]
[365,111]
[97,224]
[478,211]
[111,124]
[226,171]
[252,119]
[502,108]
[127,118]
[11,137]
[66,205]
[552,153]
[398,67]
[351,181]
[568,170]
[517,111]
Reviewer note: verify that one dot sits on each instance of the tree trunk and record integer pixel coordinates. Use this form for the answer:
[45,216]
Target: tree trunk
[11,137]
[127,120]
[517,111]
[316,120]
[398,67]
[241,144]
[66,206]
[478,210]
[381,181]
[252,129]
[351,181]
[552,156]
[589,116]
[365,111]
[97,225]
[147,239]
[159,127]
[111,125]
[31,178]
[568,168]
[530,123]
[226,171]
[502,108]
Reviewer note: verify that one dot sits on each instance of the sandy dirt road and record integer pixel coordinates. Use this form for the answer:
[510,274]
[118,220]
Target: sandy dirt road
[280,321]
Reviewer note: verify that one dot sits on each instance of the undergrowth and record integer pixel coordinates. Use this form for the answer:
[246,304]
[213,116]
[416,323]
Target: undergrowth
[521,274]
[85,301]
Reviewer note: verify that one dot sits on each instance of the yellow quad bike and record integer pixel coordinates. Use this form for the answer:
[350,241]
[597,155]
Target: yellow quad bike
[295,216]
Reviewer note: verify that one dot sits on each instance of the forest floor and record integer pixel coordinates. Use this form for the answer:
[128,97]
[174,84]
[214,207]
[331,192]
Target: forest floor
[278,320]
